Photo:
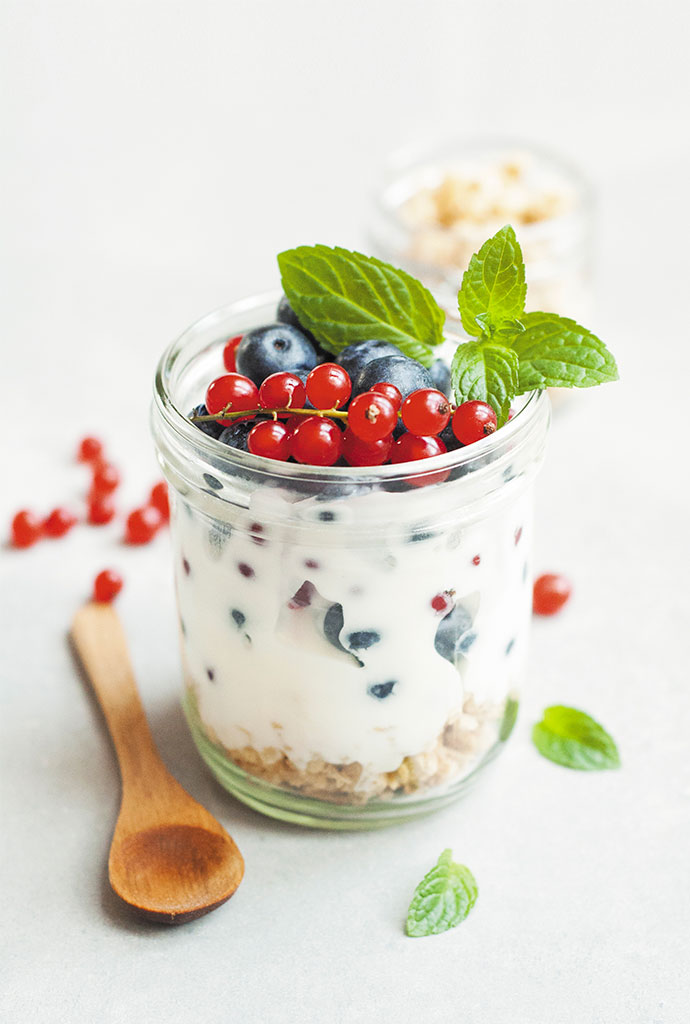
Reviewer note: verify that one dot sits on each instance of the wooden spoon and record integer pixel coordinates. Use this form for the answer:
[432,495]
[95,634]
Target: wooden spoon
[169,859]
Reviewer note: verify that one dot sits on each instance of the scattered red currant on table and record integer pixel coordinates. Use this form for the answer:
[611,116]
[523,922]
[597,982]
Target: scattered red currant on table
[106,478]
[90,449]
[142,525]
[100,509]
[26,529]
[59,522]
[107,586]
[551,591]
[159,499]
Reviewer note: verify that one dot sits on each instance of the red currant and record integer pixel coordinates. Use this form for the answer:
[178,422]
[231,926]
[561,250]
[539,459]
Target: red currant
[106,478]
[361,453]
[317,441]
[59,522]
[26,529]
[90,448]
[411,447]
[107,586]
[270,439]
[328,386]
[231,391]
[390,391]
[472,421]
[229,353]
[425,412]
[159,499]
[550,593]
[371,416]
[100,509]
[282,391]
[142,525]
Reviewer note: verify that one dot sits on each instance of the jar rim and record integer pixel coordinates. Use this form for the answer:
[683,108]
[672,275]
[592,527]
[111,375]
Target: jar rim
[529,420]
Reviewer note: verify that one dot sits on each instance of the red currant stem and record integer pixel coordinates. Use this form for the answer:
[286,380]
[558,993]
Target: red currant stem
[227,414]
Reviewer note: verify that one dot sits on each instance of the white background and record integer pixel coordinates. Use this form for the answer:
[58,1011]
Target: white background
[156,156]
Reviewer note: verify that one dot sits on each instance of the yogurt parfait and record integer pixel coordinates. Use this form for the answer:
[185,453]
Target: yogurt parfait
[352,559]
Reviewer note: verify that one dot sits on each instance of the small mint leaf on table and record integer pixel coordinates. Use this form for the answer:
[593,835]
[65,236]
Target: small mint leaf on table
[443,898]
[571,738]
[344,297]
[556,352]
[493,286]
[487,373]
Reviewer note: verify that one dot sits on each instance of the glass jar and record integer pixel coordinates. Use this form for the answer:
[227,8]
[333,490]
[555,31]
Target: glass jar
[438,204]
[353,640]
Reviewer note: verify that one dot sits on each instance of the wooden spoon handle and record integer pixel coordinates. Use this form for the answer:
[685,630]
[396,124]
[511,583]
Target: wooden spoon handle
[100,642]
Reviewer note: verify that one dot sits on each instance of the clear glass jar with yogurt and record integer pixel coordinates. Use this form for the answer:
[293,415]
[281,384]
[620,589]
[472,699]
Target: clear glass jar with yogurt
[354,641]
[438,204]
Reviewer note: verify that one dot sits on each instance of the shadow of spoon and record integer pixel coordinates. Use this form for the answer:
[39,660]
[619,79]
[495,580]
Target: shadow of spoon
[169,859]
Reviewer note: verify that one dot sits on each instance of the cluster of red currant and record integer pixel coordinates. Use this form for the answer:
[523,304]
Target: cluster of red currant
[141,524]
[312,436]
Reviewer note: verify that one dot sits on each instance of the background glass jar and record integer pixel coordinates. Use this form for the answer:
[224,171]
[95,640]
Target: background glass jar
[354,640]
[438,204]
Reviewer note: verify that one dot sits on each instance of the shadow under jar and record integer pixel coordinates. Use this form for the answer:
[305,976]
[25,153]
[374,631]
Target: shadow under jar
[354,640]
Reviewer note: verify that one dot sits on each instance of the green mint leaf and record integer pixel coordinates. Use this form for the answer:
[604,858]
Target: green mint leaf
[343,297]
[443,898]
[557,352]
[493,286]
[485,372]
[571,738]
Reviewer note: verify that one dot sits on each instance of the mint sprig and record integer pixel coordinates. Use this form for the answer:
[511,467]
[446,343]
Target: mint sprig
[571,738]
[443,898]
[344,297]
[551,350]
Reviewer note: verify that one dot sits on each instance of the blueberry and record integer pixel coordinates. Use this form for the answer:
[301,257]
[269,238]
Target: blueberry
[440,375]
[453,634]
[407,374]
[332,624]
[363,639]
[209,427]
[238,617]
[211,674]
[327,516]
[354,358]
[285,314]
[236,435]
[273,349]
[418,535]
[381,690]
[449,439]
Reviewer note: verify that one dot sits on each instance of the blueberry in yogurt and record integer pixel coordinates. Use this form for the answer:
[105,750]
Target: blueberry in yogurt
[454,634]
[274,348]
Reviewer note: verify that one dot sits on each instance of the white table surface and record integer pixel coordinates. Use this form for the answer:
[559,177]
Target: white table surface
[158,155]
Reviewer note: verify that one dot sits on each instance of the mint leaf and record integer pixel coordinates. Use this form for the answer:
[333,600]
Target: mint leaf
[485,372]
[571,738]
[343,297]
[556,352]
[493,286]
[443,898]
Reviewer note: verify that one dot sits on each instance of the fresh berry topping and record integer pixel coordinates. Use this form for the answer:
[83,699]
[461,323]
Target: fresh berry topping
[107,586]
[317,441]
[229,353]
[407,374]
[232,392]
[440,375]
[282,391]
[106,478]
[237,435]
[209,427]
[353,358]
[328,386]
[410,447]
[390,391]
[425,412]
[285,314]
[90,448]
[551,592]
[371,416]
[270,439]
[59,522]
[443,603]
[362,453]
[449,439]
[142,525]
[26,529]
[100,509]
[273,349]
[159,499]
[472,421]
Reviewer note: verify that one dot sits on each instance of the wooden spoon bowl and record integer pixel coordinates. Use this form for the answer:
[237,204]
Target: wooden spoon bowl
[169,858]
